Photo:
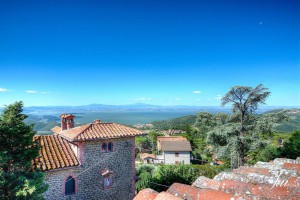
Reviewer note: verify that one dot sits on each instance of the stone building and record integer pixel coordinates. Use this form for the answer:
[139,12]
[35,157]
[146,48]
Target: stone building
[93,161]
[174,150]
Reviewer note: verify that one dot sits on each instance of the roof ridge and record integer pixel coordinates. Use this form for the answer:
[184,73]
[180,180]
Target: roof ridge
[89,125]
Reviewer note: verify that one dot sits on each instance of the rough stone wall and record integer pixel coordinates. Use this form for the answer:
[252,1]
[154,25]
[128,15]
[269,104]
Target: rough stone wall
[89,181]
[183,157]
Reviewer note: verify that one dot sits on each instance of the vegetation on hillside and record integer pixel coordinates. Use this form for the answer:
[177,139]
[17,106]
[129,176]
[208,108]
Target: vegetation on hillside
[292,148]
[181,122]
[176,123]
[160,177]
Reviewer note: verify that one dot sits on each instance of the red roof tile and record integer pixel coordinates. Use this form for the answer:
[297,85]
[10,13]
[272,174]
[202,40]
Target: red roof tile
[147,193]
[166,196]
[258,191]
[264,181]
[99,130]
[204,183]
[249,170]
[147,155]
[193,193]
[291,166]
[55,153]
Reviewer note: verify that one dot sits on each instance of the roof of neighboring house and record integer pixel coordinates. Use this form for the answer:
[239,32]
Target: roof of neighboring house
[170,138]
[176,146]
[97,130]
[278,179]
[147,155]
[173,143]
[55,153]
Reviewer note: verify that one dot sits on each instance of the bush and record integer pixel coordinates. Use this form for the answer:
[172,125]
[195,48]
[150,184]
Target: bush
[291,149]
[165,175]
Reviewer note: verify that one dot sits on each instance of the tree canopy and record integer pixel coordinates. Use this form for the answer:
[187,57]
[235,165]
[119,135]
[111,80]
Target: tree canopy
[18,178]
[292,148]
[234,136]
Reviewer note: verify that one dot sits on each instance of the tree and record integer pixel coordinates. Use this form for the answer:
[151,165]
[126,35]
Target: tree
[244,101]
[291,149]
[204,122]
[18,178]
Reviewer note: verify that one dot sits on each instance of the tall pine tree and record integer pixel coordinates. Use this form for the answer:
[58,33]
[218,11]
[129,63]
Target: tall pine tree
[18,178]
[234,136]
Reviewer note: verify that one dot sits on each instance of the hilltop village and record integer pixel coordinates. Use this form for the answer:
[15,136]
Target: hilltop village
[212,158]
[98,161]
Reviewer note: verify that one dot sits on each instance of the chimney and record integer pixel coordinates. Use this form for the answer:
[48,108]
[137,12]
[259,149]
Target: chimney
[97,121]
[67,121]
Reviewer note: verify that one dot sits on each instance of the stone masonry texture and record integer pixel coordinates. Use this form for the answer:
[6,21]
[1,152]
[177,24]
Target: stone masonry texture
[89,175]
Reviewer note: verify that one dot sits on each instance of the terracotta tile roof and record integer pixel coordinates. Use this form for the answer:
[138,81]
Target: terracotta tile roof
[204,183]
[176,146]
[55,153]
[279,179]
[173,143]
[147,193]
[166,196]
[98,130]
[147,155]
[56,129]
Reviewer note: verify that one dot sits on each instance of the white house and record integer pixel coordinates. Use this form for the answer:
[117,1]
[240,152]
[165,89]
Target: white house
[174,149]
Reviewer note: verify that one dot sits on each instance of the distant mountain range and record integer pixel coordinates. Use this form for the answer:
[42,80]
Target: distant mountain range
[46,117]
[138,107]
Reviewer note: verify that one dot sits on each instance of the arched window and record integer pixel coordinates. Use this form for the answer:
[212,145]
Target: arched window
[70,186]
[107,182]
[110,147]
[104,147]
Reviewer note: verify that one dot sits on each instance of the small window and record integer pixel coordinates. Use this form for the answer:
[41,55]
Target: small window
[176,154]
[104,147]
[110,147]
[107,182]
[70,186]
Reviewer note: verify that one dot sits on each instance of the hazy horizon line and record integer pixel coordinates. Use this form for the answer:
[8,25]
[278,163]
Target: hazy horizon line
[140,103]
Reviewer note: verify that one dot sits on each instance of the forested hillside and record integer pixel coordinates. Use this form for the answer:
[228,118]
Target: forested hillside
[180,122]
[43,122]
[294,124]
[176,123]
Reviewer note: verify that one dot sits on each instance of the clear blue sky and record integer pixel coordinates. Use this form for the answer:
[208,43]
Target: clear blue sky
[155,52]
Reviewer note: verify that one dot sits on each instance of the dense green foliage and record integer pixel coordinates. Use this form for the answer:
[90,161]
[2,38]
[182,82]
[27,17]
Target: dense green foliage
[292,148]
[161,176]
[244,101]
[18,178]
[147,143]
[176,123]
[235,137]
[181,122]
